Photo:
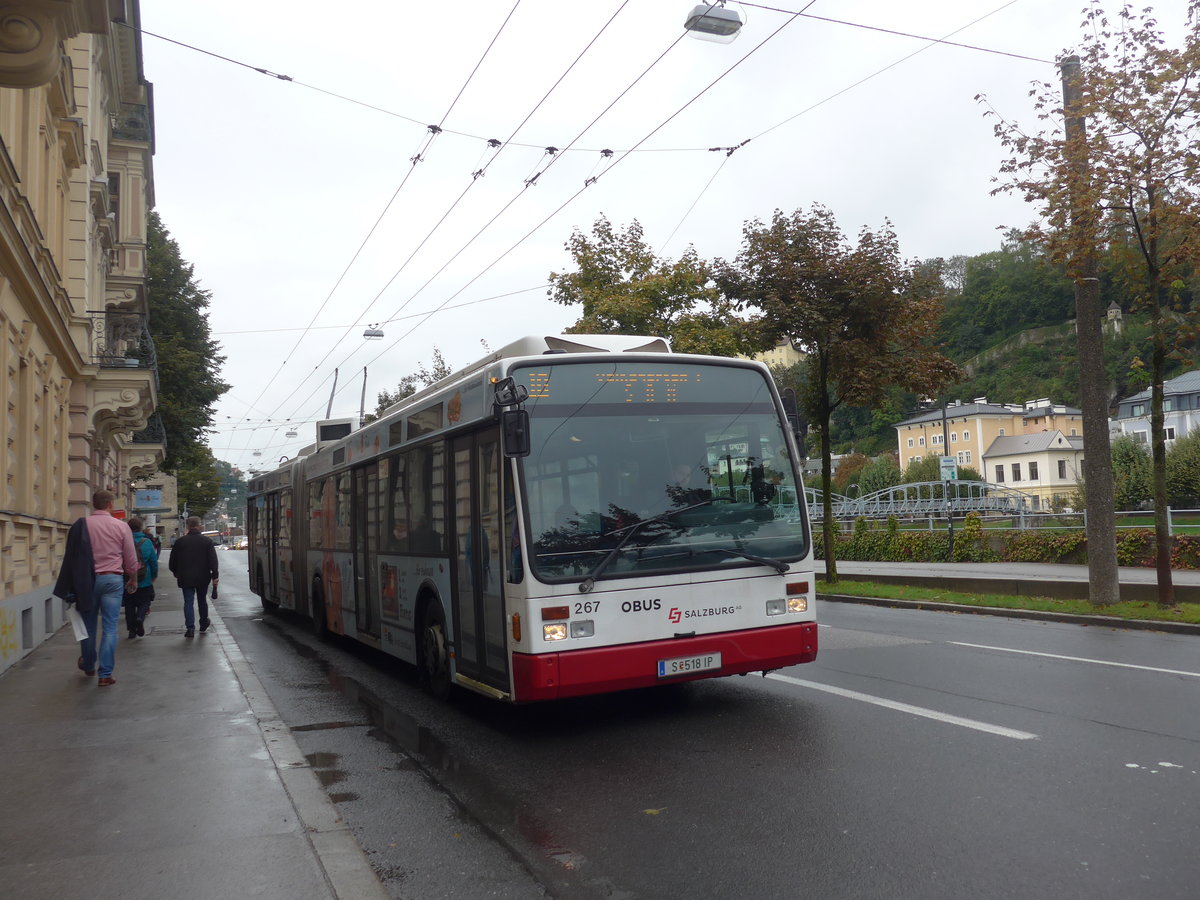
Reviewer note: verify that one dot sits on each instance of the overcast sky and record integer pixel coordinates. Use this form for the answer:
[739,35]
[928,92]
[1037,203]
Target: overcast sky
[302,211]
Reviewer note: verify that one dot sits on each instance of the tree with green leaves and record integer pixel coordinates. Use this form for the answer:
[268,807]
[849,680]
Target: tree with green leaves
[410,384]
[1126,172]
[882,472]
[189,360]
[197,481]
[1183,471]
[865,317]
[624,288]
[1132,473]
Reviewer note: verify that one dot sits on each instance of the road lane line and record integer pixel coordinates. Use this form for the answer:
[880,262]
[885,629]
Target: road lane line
[948,719]
[1082,659]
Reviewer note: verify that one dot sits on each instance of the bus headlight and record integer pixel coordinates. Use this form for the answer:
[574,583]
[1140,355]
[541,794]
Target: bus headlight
[776,607]
[556,631]
[797,604]
[583,628]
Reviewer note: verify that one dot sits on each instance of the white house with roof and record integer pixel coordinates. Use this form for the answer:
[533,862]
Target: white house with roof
[1181,409]
[1046,464]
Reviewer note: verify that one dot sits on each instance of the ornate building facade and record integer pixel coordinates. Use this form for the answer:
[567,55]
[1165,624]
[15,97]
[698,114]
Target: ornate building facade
[78,375]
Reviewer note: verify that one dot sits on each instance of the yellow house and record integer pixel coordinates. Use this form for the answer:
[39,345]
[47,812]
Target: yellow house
[77,366]
[966,430]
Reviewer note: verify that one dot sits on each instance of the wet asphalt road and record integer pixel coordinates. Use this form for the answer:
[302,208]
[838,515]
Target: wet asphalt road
[923,755]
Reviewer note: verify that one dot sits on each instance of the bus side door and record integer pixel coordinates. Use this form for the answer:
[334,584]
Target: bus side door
[481,647]
[365,540]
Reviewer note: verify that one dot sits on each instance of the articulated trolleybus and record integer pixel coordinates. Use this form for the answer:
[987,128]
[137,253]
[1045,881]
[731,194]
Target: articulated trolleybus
[571,515]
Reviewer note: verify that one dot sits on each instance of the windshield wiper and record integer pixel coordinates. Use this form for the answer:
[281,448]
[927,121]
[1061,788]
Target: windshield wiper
[777,564]
[588,583]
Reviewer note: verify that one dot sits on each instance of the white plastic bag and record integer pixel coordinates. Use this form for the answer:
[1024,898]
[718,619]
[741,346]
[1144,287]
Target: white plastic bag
[76,621]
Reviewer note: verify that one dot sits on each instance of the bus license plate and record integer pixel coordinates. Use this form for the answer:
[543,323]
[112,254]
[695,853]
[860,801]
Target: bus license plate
[686,665]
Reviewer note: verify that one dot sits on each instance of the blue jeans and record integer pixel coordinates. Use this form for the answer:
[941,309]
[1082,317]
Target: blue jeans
[107,598]
[190,596]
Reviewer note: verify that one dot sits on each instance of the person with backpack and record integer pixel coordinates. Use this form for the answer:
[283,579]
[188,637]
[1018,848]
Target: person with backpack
[137,604]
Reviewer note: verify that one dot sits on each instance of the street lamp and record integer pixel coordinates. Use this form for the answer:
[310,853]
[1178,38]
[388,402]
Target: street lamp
[713,22]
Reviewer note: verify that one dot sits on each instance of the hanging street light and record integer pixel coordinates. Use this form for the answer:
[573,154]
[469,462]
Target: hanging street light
[710,22]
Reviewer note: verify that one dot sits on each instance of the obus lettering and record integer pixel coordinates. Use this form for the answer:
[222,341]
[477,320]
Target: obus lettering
[641,605]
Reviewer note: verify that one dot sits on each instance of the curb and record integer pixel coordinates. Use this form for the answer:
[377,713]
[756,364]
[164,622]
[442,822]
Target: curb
[343,861]
[1037,615]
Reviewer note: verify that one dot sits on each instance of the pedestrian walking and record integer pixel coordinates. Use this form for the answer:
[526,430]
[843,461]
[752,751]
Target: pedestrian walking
[193,561]
[99,567]
[137,604]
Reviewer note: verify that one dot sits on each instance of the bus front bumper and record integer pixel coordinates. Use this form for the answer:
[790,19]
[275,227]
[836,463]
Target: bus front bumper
[575,673]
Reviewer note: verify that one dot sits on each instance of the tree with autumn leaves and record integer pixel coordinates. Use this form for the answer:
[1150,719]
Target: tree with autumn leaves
[625,288]
[1127,180]
[865,317]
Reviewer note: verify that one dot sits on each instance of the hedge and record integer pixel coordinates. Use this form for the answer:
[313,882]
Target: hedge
[869,543]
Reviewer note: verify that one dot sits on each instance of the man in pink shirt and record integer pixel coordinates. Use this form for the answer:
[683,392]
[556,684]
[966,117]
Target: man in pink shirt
[114,566]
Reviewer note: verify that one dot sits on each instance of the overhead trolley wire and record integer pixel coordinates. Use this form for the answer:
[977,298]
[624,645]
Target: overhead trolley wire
[430,137]
[528,182]
[588,184]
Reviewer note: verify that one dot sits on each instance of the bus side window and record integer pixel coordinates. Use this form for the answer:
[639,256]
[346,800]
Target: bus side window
[317,514]
[398,506]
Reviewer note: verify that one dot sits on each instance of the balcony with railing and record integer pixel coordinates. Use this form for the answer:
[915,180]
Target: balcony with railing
[121,340]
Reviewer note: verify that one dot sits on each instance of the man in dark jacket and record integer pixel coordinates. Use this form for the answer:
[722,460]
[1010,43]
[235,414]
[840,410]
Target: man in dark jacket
[193,562]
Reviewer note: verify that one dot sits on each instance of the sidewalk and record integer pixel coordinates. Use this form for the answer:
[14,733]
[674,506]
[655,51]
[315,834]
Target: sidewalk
[178,781]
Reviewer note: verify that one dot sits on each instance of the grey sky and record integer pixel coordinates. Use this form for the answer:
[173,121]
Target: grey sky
[271,186]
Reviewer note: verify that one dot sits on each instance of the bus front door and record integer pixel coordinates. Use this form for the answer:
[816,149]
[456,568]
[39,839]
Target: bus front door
[481,647]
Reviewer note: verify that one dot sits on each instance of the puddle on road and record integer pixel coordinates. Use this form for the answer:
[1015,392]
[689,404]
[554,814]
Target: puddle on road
[477,798]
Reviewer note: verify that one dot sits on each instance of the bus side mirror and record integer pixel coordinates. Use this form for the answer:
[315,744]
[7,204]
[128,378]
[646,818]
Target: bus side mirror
[515,425]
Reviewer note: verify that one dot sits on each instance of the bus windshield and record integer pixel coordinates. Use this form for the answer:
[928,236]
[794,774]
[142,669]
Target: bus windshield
[645,467]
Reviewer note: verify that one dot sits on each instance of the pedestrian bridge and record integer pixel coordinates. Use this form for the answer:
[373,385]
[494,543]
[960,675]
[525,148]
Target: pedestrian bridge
[924,499]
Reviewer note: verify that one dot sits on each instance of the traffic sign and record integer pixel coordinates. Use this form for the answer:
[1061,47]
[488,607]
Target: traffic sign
[949,468]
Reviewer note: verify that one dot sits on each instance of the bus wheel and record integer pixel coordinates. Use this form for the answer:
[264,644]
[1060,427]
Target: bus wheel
[320,624]
[435,656]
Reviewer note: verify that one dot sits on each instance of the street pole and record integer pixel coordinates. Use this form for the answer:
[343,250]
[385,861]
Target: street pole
[946,488]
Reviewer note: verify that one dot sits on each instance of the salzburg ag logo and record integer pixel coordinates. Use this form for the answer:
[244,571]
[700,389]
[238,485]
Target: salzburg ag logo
[675,615]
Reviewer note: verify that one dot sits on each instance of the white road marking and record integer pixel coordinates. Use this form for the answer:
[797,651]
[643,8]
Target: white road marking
[946,718]
[1082,659]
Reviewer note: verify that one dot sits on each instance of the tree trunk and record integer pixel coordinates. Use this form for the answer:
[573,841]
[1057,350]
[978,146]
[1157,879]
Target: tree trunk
[1103,582]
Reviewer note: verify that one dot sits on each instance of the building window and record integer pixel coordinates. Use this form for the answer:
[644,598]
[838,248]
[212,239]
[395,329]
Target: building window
[1016,470]
[1000,432]
[1169,433]
[960,458]
[1074,433]
[921,441]
[967,455]
[936,439]
[1138,409]
[954,437]
[910,442]
[1168,404]
[1140,437]
[1000,474]
[1033,471]
[966,435]
[1062,468]
[916,459]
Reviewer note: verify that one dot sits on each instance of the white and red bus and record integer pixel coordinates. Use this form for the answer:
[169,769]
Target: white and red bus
[571,515]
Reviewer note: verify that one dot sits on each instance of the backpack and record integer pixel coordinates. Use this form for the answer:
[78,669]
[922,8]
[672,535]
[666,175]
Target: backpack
[137,542]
